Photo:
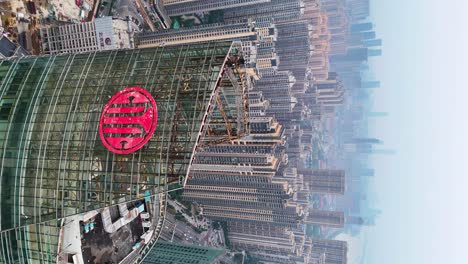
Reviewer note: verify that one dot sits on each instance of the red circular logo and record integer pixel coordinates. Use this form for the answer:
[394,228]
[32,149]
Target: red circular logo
[128,120]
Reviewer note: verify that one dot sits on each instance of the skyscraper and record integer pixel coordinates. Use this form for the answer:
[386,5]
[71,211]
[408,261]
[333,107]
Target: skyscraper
[182,7]
[359,27]
[55,165]
[279,10]
[220,31]
[335,251]
[324,180]
[177,253]
[325,218]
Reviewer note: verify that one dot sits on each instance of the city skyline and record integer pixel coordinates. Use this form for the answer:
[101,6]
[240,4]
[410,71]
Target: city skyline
[233,131]
[420,188]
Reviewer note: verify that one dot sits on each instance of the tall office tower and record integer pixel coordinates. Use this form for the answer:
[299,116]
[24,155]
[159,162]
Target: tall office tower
[177,253]
[325,218]
[242,30]
[279,10]
[55,163]
[101,34]
[335,251]
[184,7]
[324,180]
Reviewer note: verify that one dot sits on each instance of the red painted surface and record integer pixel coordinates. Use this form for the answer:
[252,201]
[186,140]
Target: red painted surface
[128,120]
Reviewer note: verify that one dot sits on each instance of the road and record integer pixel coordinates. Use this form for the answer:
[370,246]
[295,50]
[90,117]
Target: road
[180,208]
[178,231]
[141,7]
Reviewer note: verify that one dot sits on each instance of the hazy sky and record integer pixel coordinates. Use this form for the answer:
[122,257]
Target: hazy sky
[423,189]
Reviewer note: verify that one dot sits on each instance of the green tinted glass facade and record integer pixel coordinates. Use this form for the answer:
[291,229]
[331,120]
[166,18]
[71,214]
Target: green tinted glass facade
[53,163]
[176,253]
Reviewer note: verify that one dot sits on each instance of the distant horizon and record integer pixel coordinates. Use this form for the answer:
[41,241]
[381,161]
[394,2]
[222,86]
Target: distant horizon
[421,187]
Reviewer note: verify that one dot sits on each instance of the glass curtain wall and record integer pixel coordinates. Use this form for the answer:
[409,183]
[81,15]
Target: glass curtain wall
[52,162]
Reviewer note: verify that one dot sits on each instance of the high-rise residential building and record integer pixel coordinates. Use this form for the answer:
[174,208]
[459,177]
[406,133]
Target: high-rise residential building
[317,258]
[367,35]
[257,105]
[360,27]
[329,92]
[273,245]
[373,43]
[294,47]
[356,55]
[334,251]
[57,158]
[177,253]
[161,14]
[338,24]
[324,180]
[276,88]
[183,7]
[374,52]
[257,39]
[358,9]
[101,34]
[325,218]
[243,30]
[235,183]
[279,10]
